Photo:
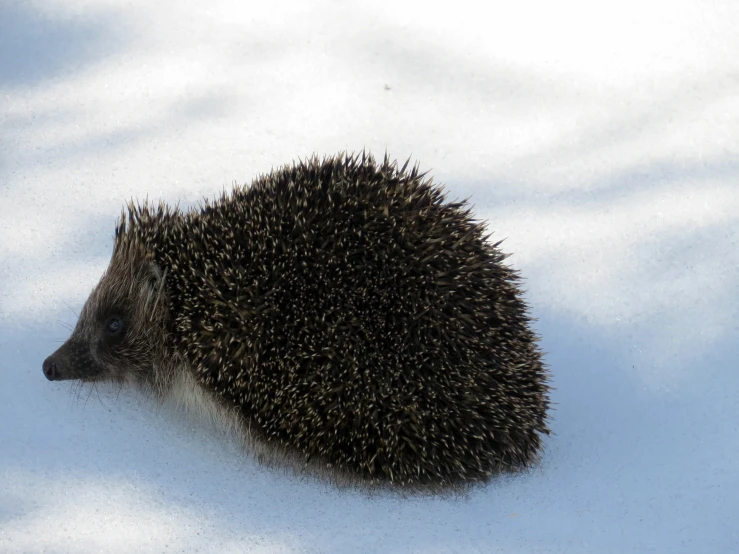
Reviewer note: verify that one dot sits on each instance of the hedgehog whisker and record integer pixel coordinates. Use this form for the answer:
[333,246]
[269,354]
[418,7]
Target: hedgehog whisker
[97,393]
[65,324]
[89,393]
[76,315]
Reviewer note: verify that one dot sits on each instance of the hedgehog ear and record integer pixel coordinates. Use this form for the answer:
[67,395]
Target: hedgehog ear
[154,276]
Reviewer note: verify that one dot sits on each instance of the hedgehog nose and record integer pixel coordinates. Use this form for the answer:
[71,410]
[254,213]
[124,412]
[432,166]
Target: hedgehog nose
[50,369]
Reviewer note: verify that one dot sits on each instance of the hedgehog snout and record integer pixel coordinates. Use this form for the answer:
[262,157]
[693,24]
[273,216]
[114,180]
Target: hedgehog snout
[57,368]
[51,370]
[71,361]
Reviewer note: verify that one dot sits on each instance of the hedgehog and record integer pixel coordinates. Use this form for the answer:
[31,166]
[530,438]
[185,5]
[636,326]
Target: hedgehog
[340,310]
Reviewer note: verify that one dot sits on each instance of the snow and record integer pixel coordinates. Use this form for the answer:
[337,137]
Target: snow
[601,139]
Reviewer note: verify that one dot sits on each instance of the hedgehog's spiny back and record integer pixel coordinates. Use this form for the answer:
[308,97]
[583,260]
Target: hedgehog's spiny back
[355,315]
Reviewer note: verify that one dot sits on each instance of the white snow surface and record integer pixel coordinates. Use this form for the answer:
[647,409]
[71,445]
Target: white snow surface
[600,138]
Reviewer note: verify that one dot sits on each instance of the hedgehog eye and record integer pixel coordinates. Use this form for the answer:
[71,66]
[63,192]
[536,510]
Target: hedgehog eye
[114,326]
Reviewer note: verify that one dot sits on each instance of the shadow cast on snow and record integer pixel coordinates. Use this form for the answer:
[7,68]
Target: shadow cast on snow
[626,459]
[36,47]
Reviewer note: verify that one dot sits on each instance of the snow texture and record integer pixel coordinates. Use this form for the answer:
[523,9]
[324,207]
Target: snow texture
[601,138]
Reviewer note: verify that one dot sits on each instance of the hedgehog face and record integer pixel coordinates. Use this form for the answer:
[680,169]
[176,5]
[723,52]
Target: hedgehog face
[120,327]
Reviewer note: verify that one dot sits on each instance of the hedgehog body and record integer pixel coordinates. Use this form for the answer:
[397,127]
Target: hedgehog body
[343,308]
